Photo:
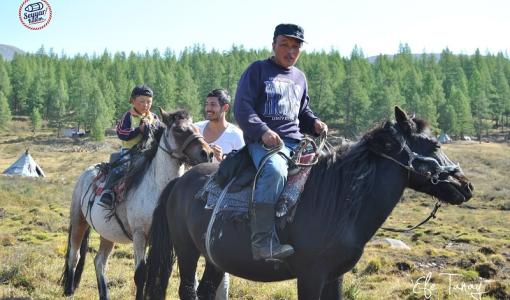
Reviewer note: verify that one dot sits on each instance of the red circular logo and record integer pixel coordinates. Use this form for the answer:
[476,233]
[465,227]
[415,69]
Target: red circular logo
[35,14]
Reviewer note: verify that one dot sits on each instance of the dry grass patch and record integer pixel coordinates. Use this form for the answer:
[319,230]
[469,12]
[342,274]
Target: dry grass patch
[463,240]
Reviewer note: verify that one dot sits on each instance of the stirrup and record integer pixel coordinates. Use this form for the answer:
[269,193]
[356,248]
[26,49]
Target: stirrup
[111,193]
[273,260]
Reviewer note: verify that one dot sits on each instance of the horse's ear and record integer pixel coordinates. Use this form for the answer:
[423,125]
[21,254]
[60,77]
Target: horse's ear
[400,115]
[403,121]
[166,117]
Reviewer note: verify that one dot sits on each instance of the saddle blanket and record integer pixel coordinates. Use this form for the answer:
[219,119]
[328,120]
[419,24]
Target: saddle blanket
[237,203]
[100,182]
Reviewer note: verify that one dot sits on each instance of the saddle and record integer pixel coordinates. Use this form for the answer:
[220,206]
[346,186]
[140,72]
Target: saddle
[231,186]
[116,180]
[237,166]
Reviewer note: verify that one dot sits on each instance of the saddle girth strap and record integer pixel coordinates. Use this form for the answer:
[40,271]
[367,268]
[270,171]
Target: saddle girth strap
[213,219]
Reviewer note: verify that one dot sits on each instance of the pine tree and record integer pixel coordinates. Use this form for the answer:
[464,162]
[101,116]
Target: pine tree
[57,113]
[320,88]
[411,89]
[479,102]
[5,82]
[37,94]
[355,101]
[80,99]
[50,86]
[501,102]
[21,80]
[427,110]
[453,74]
[99,115]
[165,90]
[460,102]
[385,93]
[187,93]
[5,112]
[432,87]
[35,117]
[448,120]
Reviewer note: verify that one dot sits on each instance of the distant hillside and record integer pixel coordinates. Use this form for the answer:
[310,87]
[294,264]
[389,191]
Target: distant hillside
[7,52]
[437,56]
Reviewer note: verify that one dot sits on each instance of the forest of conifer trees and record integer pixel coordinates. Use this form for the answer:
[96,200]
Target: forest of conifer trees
[459,94]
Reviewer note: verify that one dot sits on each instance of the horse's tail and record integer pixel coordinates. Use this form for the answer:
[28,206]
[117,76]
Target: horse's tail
[70,279]
[160,257]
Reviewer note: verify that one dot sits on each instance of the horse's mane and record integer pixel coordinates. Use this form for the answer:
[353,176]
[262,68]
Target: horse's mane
[340,180]
[144,153]
[147,148]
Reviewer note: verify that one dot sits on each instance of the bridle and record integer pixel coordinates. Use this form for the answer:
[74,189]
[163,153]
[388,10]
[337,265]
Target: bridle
[433,177]
[438,169]
[179,152]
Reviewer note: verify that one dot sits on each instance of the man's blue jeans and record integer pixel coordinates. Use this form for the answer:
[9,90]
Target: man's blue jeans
[273,175]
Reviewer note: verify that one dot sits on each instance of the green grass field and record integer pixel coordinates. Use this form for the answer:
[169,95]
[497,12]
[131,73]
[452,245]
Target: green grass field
[462,254]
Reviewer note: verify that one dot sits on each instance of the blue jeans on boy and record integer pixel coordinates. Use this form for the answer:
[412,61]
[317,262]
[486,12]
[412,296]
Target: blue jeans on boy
[273,176]
[115,174]
[125,156]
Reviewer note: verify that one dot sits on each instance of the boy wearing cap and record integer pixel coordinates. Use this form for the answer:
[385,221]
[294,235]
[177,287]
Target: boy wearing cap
[135,123]
[271,108]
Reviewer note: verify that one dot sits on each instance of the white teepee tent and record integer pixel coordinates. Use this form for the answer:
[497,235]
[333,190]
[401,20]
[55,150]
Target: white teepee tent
[25,166]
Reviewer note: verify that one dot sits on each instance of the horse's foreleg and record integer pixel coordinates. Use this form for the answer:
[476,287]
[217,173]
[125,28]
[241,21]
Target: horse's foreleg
[332,290]
[139,244]
[105,248]
[311,284]
[209,284]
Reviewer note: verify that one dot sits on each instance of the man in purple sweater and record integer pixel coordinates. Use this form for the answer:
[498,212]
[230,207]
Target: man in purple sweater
[271,107]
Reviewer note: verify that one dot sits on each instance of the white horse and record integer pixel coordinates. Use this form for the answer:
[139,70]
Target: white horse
[174,144]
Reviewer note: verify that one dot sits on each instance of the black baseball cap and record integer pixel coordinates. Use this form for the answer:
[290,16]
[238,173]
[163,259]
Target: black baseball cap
[141,90]
[291,30]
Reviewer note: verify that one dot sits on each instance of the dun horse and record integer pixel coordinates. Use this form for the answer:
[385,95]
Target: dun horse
[347,197]
[174,144]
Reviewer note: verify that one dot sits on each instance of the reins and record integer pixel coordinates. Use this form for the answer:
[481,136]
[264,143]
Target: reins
[294,161]
[303,146]
[432,215]
[180,151]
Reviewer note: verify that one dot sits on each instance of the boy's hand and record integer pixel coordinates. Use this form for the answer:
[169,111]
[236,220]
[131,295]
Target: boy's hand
[143,124]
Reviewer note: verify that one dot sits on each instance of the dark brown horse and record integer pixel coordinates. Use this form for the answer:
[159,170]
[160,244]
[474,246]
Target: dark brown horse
[348,196]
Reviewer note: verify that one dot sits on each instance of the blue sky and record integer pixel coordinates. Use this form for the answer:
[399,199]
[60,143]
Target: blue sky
[374,26]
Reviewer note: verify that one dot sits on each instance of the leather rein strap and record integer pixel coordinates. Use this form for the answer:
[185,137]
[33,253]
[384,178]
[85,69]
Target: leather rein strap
[179,152]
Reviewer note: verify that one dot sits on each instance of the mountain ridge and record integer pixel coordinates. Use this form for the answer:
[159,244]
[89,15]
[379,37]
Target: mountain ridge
[8,51]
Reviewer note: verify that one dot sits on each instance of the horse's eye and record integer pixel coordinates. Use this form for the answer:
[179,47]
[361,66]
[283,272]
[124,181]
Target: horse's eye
[179,129]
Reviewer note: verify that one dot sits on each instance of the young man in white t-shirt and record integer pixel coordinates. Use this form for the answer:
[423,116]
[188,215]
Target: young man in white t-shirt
[222,136]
